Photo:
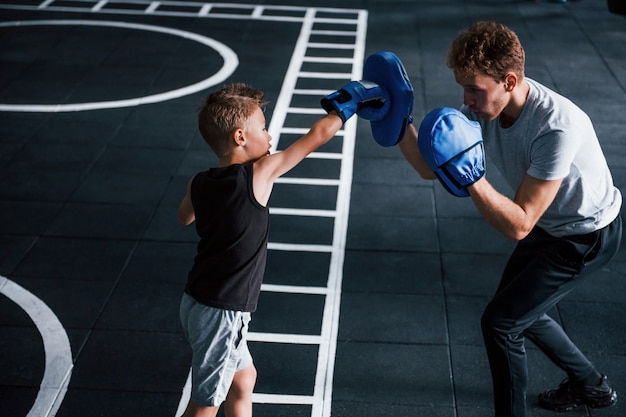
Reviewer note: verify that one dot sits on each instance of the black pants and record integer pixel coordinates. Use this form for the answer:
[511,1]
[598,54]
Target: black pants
[541,271]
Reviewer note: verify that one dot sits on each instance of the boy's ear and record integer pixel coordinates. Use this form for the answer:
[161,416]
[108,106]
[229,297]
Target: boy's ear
[238,137]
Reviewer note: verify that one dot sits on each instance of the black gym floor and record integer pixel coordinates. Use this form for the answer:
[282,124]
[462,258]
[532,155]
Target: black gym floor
[376,279]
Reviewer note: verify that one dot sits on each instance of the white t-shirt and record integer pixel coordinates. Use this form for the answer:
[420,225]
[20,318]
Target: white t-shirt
[554,139]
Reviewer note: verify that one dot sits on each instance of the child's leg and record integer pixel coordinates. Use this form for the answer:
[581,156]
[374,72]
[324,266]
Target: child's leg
[220,356]
[194,410]
[239,400]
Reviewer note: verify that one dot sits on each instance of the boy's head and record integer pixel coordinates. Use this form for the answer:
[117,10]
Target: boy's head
[226,110]
[488,48]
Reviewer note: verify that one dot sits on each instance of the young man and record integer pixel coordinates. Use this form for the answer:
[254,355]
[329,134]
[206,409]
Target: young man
[565,214]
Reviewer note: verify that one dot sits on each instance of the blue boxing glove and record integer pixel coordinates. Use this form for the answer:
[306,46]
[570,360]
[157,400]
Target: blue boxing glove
[355,96]
[452,146]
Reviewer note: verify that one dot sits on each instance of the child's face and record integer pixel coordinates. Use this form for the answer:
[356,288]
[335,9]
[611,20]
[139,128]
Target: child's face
[255,133]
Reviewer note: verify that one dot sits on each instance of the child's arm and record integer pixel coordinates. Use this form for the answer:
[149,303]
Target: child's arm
[340,105]
[185,213]
[270,167]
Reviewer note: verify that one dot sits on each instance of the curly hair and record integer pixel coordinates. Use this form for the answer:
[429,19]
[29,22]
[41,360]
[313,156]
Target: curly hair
[226,110]
[489,48]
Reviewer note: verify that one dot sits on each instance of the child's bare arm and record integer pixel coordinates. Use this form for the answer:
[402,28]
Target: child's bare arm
[185,213]
[268,168]
[320,133]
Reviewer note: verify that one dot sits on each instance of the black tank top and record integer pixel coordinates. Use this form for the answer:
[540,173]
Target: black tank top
[233,228]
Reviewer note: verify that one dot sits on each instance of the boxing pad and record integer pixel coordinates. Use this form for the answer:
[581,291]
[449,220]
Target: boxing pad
[452,146]
[386,70]
[357,95]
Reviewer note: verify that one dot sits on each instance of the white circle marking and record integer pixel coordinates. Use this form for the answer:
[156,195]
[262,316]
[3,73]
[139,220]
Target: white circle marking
[230,64]
[59,364]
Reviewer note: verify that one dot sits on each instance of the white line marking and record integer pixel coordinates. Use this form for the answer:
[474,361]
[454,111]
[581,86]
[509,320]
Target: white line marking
[293,289]
[341,226]
[303,110]
[296,339]
[333,32]
[336,21]
[258,12]
[152,7]
[325,155]
[99,6]
[78,6]
[205,9]
[282,399]
[326,354]
[308,181]
[330,45]
[291,130]
[317,92]
[184,398]
[57,349]
[302,212]
[297,247]
[327,60]
[289,83]
[44,4]
[327,75]
[230,64]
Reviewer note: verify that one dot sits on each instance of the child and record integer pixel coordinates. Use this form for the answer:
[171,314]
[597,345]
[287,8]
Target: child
[229,206]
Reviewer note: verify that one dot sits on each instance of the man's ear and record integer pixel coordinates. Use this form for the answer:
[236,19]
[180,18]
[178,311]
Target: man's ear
[510,81]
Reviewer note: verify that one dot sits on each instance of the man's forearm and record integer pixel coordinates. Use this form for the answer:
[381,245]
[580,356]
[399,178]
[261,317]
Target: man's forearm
[506,216]
[410,151]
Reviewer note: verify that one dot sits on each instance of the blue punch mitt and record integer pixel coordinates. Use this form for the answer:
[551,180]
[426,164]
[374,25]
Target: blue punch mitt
[452,146]
[386,69]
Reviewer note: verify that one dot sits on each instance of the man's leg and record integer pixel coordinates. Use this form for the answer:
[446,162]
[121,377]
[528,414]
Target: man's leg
[535,279]
[550,337]
[584,384]
[541,271]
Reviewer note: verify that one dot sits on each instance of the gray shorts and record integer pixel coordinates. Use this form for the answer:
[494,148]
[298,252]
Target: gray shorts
[218,341]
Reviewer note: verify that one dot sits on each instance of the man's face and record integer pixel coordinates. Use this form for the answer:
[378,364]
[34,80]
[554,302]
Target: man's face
[485,97]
